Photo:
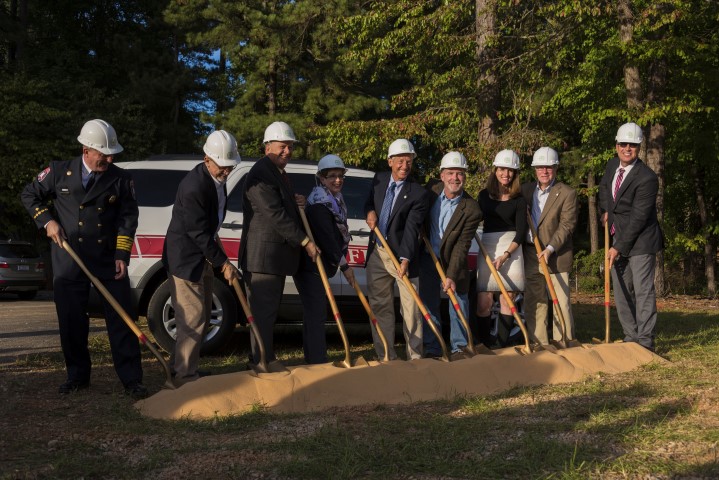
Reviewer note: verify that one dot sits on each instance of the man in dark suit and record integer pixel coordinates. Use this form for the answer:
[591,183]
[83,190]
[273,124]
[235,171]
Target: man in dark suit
[273,238]
[450,226]
[627,200]
[95,210]
[553,211]
[193,249]
[402,206]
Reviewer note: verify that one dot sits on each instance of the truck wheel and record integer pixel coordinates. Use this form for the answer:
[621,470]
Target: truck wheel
[161,318]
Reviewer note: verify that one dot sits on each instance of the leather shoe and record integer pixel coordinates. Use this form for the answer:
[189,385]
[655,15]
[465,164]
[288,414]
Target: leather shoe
[137,391]
[458,356]
[73,386]
[431,355]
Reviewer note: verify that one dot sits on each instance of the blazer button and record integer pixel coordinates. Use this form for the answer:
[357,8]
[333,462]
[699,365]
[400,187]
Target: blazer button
[99,240]
[79,239]
[99,209]
[80,224]
[81,207]
[99,225]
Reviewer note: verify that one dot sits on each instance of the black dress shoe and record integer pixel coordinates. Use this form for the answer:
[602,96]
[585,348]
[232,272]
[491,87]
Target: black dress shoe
[432,355]
[73,386]
[137,391]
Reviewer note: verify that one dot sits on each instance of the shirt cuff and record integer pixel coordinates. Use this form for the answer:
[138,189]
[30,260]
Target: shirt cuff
[550,248]
[305,241]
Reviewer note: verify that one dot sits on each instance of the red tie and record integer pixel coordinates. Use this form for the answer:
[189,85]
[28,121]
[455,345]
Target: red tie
[617,184]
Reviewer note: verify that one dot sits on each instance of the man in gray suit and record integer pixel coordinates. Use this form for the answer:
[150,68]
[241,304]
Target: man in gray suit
[272,237]
[627,201]
[553,211]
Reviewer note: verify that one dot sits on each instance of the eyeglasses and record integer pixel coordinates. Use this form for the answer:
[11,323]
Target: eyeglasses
[223,169]
[627,144]
[332,178]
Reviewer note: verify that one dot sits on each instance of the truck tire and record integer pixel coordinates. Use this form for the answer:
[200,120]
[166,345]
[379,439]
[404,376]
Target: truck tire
[161,318]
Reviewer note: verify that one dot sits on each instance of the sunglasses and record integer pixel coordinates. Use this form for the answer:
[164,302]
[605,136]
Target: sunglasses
[627,144]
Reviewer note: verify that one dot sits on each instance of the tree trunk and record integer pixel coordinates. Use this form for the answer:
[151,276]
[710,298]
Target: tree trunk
[632,81]
[593,213]
[488,92]
[705,218]
[272,88]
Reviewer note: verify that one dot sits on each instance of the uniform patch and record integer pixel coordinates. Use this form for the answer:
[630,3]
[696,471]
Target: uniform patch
[41,176]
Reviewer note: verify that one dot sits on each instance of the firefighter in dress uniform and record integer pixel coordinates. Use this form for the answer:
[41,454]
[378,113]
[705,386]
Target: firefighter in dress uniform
[95,210]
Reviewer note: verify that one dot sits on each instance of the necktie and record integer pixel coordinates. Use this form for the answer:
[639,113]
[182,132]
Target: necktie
[386,208]
[617,184]
[90,181]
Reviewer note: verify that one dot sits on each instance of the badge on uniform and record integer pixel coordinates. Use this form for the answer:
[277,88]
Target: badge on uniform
[41,176]
[112,199]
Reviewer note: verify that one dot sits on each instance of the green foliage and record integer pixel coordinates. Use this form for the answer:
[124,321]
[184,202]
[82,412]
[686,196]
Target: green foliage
[589,271]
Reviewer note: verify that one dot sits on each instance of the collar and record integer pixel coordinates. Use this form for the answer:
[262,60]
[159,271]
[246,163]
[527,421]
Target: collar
[546,190]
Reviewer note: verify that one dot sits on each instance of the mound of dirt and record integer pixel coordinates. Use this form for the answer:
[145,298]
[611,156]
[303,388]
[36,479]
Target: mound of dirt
[316,387]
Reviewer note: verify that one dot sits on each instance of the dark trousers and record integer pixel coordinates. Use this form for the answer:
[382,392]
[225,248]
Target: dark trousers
[71,299]
[314,313]
[264,293]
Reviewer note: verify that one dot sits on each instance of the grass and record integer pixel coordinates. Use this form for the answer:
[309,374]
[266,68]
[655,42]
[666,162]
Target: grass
[658,422]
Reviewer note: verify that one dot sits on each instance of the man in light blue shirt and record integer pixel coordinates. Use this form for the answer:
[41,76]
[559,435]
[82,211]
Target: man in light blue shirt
[450,226]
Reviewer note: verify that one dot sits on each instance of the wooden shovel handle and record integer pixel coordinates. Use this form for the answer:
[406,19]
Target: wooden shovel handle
[548,279]
[505,293]
[415,295]
[451,294]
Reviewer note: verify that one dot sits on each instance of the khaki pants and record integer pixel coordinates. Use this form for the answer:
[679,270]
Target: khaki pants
[381,278]
[536,300]
[193,307]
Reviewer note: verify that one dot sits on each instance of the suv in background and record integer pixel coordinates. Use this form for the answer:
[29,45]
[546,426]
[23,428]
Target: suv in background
[22,270]
[156,181]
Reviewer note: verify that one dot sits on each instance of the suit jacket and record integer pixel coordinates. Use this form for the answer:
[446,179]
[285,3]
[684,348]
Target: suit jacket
[190,239]
[100,224]
[272,232]
[458,235]
[556,224]
[634,212]
[405,220]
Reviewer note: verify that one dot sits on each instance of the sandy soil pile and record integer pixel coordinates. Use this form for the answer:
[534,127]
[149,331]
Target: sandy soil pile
[316,387]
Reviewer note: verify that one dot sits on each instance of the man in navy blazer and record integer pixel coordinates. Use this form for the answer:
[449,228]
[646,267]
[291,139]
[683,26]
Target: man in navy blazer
[627,199]
[193,250]
[398,206]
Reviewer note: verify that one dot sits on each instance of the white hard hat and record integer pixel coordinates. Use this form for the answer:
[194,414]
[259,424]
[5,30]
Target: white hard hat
[507,159]
[545,157]
[399,147]
[221,147]
[330,161]
[630,132]
[453,160]
[100,135]
[279,132]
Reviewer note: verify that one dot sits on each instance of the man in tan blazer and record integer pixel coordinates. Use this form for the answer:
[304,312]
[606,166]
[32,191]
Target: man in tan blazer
[553,211]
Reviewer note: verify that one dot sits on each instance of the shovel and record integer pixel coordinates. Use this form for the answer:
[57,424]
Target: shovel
[523,350]
[347,362]
[373,319]
[471,347]
[262,366]
[607,288]
[564,342]
[415,295]
[123,314]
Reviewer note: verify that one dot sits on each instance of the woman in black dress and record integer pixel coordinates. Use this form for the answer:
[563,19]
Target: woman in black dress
[504,227]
